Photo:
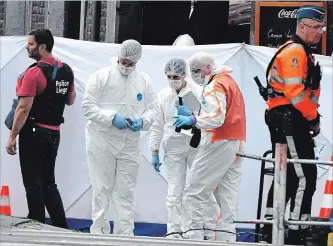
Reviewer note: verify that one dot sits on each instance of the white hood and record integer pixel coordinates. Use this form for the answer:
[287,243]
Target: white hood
[222,69]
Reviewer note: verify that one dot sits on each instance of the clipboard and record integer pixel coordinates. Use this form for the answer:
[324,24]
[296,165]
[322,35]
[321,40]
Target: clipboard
[191,101]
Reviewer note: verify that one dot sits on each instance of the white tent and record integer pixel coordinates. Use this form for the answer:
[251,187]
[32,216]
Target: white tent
[71,169]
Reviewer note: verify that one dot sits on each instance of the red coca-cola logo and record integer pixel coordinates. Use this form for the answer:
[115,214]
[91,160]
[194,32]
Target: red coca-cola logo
[287,14]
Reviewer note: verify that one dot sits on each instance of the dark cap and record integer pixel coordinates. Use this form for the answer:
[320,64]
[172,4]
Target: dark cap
[311,12]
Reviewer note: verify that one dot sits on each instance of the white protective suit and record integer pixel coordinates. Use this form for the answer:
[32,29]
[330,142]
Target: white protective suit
[178,157]
[215,165]
[113,155]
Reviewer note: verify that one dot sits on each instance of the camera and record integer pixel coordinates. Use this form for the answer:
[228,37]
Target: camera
[196,137]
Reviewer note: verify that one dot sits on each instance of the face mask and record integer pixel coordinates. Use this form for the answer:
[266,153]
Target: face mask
[175,84]
[125,70]
[199,80]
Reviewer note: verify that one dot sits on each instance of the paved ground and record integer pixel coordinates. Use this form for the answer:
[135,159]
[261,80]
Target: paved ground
[7,222]
[24,232]
[20,244]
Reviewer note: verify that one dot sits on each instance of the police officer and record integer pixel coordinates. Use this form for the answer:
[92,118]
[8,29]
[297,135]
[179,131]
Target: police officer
[43,90]
[293,93]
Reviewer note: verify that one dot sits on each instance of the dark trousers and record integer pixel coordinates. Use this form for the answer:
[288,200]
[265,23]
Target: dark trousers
[301,178]
[38,151]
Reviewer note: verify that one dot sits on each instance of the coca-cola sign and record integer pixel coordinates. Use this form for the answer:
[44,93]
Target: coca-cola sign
[277,23]
[287,14]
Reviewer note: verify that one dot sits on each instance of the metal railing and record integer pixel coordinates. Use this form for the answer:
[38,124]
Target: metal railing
[279,199]
[278,222]
[263,172]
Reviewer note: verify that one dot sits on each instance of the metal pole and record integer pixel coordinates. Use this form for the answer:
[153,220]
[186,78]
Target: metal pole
[303,161]
[289,222]
[280,178]
[269,222]
[275,232]
[46,21]
[313,162]
[82,18]
[314,223]
[255,157]
[261,188]
[282,191]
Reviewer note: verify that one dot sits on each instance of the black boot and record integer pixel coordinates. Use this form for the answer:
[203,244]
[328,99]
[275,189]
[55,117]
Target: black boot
[298,237]
[318,236]
[266,232]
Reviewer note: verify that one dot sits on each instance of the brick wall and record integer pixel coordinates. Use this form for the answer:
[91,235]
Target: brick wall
[89,28]
[57,13]
[102,31]
[37,14]
[2,17]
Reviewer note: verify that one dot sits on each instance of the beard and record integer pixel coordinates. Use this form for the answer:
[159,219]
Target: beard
[34,53]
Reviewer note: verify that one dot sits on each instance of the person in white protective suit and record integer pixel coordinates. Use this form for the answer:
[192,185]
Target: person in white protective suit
[223,125]
[187,40]
[178,155]
[118,102]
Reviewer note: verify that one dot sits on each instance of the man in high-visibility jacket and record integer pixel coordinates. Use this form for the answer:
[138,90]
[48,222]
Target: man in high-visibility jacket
[294,89]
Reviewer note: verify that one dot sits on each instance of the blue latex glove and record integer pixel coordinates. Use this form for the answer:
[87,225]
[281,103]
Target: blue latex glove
[120,122]
[183,110]
[156,162]
[182,120]
[137,125]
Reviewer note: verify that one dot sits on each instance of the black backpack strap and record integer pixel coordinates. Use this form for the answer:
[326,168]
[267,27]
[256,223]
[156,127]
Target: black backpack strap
[271,91]
[294,39]
[46,69]
[33,65]
[68,70]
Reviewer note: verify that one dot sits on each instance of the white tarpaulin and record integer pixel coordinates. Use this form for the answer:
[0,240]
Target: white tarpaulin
[71,170]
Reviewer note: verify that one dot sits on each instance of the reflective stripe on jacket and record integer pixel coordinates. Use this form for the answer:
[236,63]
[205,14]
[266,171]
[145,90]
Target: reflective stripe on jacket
[234,125]
[288,75]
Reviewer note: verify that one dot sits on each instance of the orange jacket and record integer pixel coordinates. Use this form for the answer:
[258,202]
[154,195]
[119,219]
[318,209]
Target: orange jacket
[288,75]
[234,126]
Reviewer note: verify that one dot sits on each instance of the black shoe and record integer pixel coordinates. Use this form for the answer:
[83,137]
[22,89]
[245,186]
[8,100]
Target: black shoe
[318,236]
[266,232]
[298,237]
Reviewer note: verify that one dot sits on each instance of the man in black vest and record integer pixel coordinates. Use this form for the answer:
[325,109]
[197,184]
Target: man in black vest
[43,91]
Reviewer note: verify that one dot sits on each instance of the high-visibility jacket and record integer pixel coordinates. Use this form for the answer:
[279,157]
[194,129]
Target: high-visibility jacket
[288,76]
[223,90]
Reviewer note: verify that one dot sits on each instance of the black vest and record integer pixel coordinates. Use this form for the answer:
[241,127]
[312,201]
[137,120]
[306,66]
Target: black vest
[48,107]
